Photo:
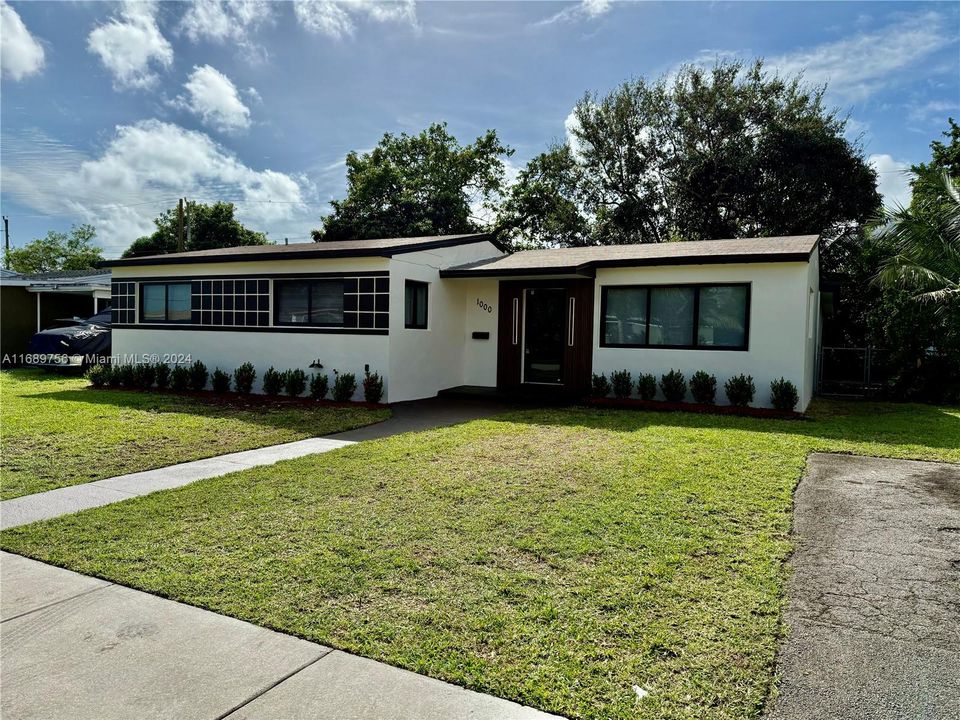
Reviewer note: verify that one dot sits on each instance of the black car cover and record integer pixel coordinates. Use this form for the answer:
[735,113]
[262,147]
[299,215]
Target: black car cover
[90,338]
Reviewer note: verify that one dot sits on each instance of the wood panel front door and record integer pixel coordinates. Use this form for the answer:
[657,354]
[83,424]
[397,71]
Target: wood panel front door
[545,337]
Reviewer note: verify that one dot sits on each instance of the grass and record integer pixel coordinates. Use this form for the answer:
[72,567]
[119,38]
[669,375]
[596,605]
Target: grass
[555,558]
[55,431]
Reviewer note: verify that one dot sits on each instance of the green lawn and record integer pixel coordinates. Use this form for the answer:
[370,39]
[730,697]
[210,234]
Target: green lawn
[555,558]
[56,431]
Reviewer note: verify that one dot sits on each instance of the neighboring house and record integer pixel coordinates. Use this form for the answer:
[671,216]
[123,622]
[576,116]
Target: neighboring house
[435,313]
[31,303]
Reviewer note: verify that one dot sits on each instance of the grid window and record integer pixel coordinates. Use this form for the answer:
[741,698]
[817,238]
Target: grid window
[165,302]
[224,303]
[316,303]
[123,297]
[415,305]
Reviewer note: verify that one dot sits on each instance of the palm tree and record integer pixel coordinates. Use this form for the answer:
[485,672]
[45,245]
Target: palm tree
[925,241]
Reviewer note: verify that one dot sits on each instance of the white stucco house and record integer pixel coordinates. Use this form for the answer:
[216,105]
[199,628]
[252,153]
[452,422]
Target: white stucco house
[435,313]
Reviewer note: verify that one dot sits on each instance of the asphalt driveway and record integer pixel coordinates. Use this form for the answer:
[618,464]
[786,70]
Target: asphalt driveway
[874,609]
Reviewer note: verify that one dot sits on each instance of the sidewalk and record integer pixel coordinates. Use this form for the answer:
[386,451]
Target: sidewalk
[77,647]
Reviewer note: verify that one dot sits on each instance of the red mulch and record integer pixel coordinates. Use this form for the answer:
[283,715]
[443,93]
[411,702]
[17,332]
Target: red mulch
[663,406]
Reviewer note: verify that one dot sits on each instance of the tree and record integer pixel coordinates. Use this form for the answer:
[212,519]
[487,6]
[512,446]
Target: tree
[927,186]
[731,151]
[411,185]
[57,251]
[211,226]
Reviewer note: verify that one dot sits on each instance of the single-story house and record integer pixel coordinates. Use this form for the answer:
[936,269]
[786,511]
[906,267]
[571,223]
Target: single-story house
[435,313]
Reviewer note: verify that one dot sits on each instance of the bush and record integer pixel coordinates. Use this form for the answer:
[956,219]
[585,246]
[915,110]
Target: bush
[126,376]
[647,386]
[114,378]
[180,377]
[783,394]
[599,385]
[673,386]
[272,381]
[703,387]
[220,381]
[622,383]
[319,386]
[740,390]
[243,378]
[294,382]
[198,376]
[99,375]
[344,386]
[372,387]
[143,376]
[161,374]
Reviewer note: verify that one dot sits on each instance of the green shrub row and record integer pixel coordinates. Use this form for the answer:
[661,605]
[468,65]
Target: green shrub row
[194,377]
[739,389]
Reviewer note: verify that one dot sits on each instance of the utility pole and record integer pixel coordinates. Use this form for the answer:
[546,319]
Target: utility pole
[6,240]
[180,225]
[187,202]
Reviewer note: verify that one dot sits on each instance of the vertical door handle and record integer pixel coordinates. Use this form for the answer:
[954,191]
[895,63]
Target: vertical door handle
[572,321]
[516,320]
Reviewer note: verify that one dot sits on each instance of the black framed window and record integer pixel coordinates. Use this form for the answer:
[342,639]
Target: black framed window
[123,302]
[165,302]
[415,305]
[225,302]
[694,316]
[317,303]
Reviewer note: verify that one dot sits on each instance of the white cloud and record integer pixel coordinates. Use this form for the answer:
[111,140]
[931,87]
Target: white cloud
[338,19]
[584,10]
[132,45]
[858,66]
[893,179]
[143,169]
[20,53]
[214,98]
[220,22]
[934,111]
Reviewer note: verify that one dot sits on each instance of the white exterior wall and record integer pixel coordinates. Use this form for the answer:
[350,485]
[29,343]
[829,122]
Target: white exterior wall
[780,343]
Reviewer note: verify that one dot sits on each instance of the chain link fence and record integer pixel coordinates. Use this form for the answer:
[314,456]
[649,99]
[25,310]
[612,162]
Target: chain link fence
[861,371]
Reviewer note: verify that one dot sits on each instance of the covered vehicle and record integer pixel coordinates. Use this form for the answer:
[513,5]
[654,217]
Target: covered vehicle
[78,345]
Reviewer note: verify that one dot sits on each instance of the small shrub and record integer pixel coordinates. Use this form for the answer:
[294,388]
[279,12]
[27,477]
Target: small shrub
[114,379]
[126,376]
[647,386]
[220,381]
[294,382]
[319,386]
[243,378]
[344,386]
[622,383]
[673,386]
[180,377]
[198,376]
[599,385]
[740,390]
[372,387]
[161,375]
[99,375]
[272,382]
[703,387]
[143,376]
[783,394]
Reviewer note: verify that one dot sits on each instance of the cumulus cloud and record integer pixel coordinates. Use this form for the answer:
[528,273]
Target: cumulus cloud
[893,179]
[141,171]
[131,46]
[338,19]
[214,98]
[584,10]
[219,21]
[20,53]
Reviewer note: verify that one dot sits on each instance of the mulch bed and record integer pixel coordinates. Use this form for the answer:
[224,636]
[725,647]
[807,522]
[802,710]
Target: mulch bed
[663,406]
[250,401]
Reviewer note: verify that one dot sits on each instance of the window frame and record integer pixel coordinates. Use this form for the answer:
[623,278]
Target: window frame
[697,287]
[275,295]
[166,303]
[413,325]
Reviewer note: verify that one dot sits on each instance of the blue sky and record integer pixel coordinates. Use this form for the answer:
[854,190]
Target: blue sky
[112,111]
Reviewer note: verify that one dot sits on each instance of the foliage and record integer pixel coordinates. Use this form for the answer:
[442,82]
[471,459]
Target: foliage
[783,394]
[57,251]
[673,386]
[114,377]
[273,382]
[927,185]
[99,375]
[622,383]
[740,390]
[703,387]
[372,387]
[730,151]
[647,386]
[143,375]
[599,385]
[243,378]
[127,376]
[344,386]
[319,386]
[220,381]
[211,226]
[180,377]
[161,372]
[411,185]
[198,376]
[294,382]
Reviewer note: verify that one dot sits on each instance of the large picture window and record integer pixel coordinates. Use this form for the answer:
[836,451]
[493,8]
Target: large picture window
[165,302]
[415,305]
[318,303]
[701,317]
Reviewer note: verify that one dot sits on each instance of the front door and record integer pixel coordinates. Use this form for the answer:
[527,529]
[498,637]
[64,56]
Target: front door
[545,336]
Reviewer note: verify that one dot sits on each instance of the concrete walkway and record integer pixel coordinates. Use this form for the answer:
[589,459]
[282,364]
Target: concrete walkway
[77,647]
[874,599]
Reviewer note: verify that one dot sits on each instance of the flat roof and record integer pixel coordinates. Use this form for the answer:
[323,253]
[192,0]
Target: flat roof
[585,260]
[383,247]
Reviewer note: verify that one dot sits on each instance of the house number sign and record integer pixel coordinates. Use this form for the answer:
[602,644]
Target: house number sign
[484,306]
